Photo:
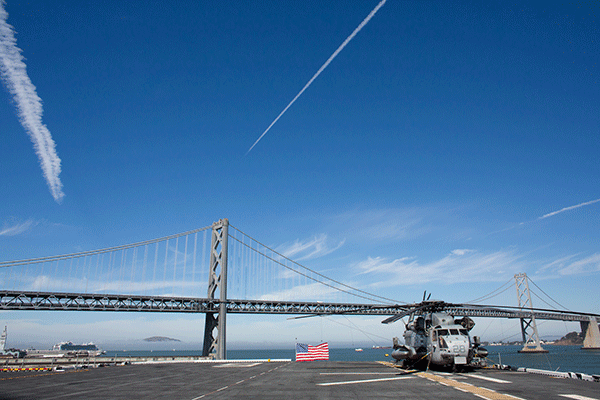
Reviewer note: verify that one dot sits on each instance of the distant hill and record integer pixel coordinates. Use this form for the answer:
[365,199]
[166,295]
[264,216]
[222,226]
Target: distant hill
[161,339]
[571,338]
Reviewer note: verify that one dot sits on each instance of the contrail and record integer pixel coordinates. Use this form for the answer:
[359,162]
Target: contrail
[569,208]
[29,105]
[348,39]
[545,216]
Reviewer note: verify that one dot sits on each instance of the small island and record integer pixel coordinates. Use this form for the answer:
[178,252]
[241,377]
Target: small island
[161,339]
[570,339]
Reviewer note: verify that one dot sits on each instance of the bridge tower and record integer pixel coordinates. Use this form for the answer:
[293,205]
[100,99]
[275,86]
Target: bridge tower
[217,282]
[591,334]
[531,339]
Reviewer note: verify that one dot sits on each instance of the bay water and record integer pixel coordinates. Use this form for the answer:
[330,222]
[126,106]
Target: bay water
[559,358]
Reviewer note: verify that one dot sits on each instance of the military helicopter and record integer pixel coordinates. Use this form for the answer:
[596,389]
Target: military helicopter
[434,337]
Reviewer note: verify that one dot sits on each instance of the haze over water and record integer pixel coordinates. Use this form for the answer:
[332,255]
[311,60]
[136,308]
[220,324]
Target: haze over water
[559,358]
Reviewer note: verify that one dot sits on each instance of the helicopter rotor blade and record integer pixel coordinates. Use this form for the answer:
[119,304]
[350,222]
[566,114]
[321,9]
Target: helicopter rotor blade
[426,304]
[305,316]
[373,307]
[403,314]
[396,317]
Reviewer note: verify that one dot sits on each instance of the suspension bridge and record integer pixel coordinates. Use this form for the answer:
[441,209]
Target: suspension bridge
[218,270]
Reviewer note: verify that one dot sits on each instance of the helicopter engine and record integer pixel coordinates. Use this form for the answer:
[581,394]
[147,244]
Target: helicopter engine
[415,339]
[402,352]
[466,323]
[479,351]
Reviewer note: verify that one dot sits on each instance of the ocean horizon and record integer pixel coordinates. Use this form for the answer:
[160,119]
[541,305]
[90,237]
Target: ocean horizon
[558,358]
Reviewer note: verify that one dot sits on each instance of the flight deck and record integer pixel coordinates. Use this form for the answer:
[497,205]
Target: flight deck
[290,380]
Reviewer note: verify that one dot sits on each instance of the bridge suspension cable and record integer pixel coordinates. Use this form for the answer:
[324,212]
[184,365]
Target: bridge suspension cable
[176,265]
[493,293]
[134,268]
[4,264]
[308,273]
[547,295]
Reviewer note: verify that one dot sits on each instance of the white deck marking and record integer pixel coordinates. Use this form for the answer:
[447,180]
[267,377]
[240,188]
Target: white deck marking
[236,365]
[577,397]
[364,381]
[238,382]
[358,373]
[487,378]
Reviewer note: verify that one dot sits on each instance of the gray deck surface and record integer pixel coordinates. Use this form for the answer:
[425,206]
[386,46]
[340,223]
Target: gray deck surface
[285,380]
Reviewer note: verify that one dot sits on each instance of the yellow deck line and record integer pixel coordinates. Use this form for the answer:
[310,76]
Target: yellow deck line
[388,364]
[462,386]
[466,387]
[38,375]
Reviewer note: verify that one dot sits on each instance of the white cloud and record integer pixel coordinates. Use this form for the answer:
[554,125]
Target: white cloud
[583,266]
[461,252]
[310,291]
[458,266]
[29,106]
[17,229]
[308,249]
[388,224]
[570,265]
[46,283]
[380,265]
[557,264]
[462,265]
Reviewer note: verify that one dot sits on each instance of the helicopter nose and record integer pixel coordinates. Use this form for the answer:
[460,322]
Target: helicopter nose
[459,346]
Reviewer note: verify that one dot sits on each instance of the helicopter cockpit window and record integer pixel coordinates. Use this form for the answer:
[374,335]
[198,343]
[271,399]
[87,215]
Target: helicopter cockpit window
[454,331]
[443,332]
[463,331]
[443,344]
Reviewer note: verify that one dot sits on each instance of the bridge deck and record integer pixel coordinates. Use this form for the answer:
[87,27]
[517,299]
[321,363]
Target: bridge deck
[21,300]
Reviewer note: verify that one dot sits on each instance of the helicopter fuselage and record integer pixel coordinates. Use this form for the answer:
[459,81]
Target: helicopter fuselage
[436,338]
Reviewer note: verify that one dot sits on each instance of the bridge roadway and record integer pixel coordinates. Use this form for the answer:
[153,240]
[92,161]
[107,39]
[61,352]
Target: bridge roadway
[22,300]
[258,379]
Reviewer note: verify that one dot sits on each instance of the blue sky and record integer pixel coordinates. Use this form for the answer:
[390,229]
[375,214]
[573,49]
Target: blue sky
[422,158]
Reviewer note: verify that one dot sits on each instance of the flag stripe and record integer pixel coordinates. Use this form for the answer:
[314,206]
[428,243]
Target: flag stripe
[306,352]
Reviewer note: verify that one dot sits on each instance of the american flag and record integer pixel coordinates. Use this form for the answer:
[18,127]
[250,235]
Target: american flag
[306,352]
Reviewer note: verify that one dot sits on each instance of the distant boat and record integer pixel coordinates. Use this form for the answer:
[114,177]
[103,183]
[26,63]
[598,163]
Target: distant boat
[67,349]
[358,349]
